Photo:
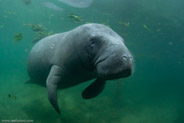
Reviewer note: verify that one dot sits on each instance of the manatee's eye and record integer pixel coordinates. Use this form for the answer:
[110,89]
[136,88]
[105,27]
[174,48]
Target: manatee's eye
[94,41]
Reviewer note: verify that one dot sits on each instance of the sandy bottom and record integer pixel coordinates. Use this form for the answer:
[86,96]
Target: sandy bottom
[21,101]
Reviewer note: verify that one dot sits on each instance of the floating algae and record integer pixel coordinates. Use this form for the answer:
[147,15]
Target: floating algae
[38,36]
[124,23]
[37,28]
[75,17]
[9,95]
[18,37]
[40,31]
[145,27]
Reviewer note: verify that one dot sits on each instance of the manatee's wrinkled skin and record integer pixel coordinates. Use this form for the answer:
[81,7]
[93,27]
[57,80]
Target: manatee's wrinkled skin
[66,59]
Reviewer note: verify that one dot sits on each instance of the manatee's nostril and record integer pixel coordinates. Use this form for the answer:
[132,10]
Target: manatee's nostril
[131,59]
[125,57]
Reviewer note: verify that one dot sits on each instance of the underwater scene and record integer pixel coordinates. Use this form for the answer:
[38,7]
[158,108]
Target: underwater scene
[153,31]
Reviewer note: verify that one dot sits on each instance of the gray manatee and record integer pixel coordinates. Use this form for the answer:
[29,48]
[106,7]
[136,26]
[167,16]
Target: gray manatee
[66,59]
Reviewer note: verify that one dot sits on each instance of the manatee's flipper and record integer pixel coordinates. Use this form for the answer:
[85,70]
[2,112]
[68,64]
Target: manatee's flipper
[52,83]
[94,89]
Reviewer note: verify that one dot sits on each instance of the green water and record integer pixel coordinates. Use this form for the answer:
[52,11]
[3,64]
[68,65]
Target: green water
[153,31]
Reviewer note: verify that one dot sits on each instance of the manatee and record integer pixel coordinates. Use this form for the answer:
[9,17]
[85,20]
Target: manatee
[90,51]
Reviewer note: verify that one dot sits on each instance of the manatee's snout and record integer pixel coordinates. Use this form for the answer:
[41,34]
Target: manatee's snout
[128,65]
[117,64]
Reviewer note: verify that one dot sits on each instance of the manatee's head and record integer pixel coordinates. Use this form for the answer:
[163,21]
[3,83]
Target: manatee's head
[107,52]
